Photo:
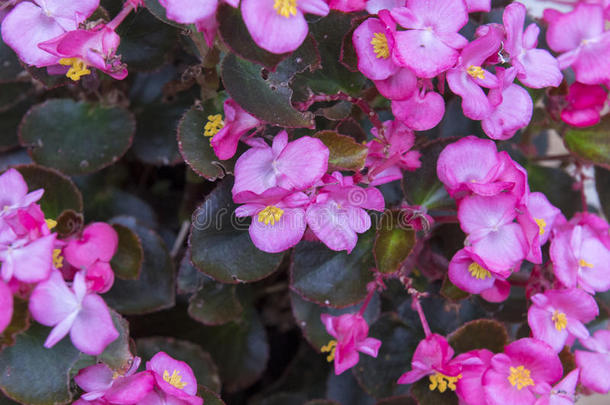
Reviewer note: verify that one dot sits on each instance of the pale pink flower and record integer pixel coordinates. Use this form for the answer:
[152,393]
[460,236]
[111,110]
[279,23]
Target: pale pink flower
[594,364]
[235,124]
[563,392]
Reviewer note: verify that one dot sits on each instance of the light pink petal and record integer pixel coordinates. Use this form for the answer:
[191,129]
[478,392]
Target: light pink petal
[369,346]
[129,390]
[565,264]
[372,66]
[68,14]
[593,63]
[423,52]
[514,19]
[541,69]
[32,263]
[302,163]
[543,328]
[501,250]
[444,16]
[498,292]
[399,86]
[499,391]
[329,324]
[597,255]
[358,219]
[330,224]
[94,378]
[52,301]
[254,171]
[420,112]
[93,329]
[594,370]
[279,143]
[478,5]
[6,306]
[317,7]
[461,276]
[282,235]
[60,330]
[208,26]
[487,213]
[13,188]
[567,31]
[474,101]
[374,6]
[189,11]
[514,113]
[162,362]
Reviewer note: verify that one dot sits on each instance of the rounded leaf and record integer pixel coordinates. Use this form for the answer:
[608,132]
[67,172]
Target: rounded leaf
[127,261]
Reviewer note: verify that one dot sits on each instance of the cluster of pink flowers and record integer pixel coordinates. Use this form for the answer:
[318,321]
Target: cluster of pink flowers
[61,277]
[55,34]
[165,381]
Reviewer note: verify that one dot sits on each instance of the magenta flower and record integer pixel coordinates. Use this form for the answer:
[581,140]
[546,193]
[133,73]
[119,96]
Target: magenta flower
[279,26]
[498,292]
[98,241]
[293,165]
[432,358]
[584,42]
[278,217]
[84,315]
[559,314]
[526,368]
[585,103]
[536,68]
[374,42]
[347,6]
[226,133]
[14,193]
[467,78]
[430,44]
[101,383]
[478,5]
[29,24]
[175,382]
[538,221]
[467,271]
[421,111]
[6,306]
[351,334]
[338,214]
[594,365]
[375,6]
[469,386]
[563,392]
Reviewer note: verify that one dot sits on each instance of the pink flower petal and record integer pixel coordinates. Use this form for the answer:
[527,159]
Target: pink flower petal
[161,363]
[93,329]
[189,11]
[423,52]
[420,112]
[282,235]
[131,389]
[6,306]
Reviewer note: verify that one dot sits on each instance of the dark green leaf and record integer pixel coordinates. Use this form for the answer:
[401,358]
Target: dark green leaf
[480,334]
[117,354]
[189,279]
[321,402]
[155,288]
[10,66]
[283,398]
[9,124]
[76,137]
[332,278]
[602,185]
[344,389]
[345,153]
[394,242]
[158,11]
[127,261]
[556,185]
[12,94]
[215,304]
[209,397]
[590,144]
[401,400]
[220,244]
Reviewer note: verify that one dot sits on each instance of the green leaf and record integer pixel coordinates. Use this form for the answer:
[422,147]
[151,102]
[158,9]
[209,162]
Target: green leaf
[393,243]
[201,362]
[452,292]
[127,261]
[344,389]
[9,124]
[35,375]
[117,354]
[332,278]
[209,397]
[345,152]
[267,95]
[591,144]
[559,191]
[76,137]
[12,94]
[215,304]
[480,334]
[321,402]
[307,316]
[602,185]
[19,322]
[220,243]
[400,400]
[189,279]
[60,193]
[421,391]
[378,376]
[155,288]
[10,66]
[196,149]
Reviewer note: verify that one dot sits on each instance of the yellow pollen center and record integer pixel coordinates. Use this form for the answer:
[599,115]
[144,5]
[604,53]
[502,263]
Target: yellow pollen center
[174,379]
[442,382]
[51,223]
[330,349]
[520,377]
[270,215]
[541,225]
[476,72]
[58,259]
[560,320]
[285,8]
[214,124]
[78,68]
[584,263]
[380,45]
[478,272]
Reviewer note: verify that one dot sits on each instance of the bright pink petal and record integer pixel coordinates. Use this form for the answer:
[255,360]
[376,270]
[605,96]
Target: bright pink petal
[330,224]
[129,390]
[254,171]
[189,11]
[369,63]
[281,235]
[399,86]
[478,5]
[423,52]
[345,359]
[498,292]
[369,346]
[96,378]
[569,30]
[420,112]
[541,69]
[6,306]
[460,275]
[93,329]
[594,370]
[302,163]
[514,113]
[474,101]
[161,363]
[33,262]
[99,241]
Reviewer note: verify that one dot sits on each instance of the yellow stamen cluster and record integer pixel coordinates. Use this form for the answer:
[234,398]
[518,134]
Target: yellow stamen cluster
[214,124]
[51,223]
[78,68]
[174,379]
[520,377]
[330,349]
[442,382]
[476,72]
[477,271]
[58,259]
[270,215]
[584,263]
[285,8]
[560,320]
[380,45]
[541,225]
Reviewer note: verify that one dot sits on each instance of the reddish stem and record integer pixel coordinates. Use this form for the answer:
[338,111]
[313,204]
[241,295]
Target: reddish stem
[415,304]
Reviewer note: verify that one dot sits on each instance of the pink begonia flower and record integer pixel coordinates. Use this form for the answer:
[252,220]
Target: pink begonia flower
[101,383]
[82,48]
[514,174]
[563,392]
[294,165]
[26,223]
[351,334]
[6,306]
[175,382]
[279,26]
[338,214]
[478,5]
[433,358]
[27,261]
[278,217]
[467,78]
[585,103]
[430,44]
[580,258]
[492,235]
[347,6]
[386,162]
[375,6]
[474,364]
[585,44]
[421,111]
[467,271]
[538,221]
[84,315]
[511,107]
[226,133]
[399,86]
[526,368]
[29,24]
[536,68]
[594,365]
[497,292]
[374,42]
[558,314]
[14,192]
[99,277]
[98,241]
